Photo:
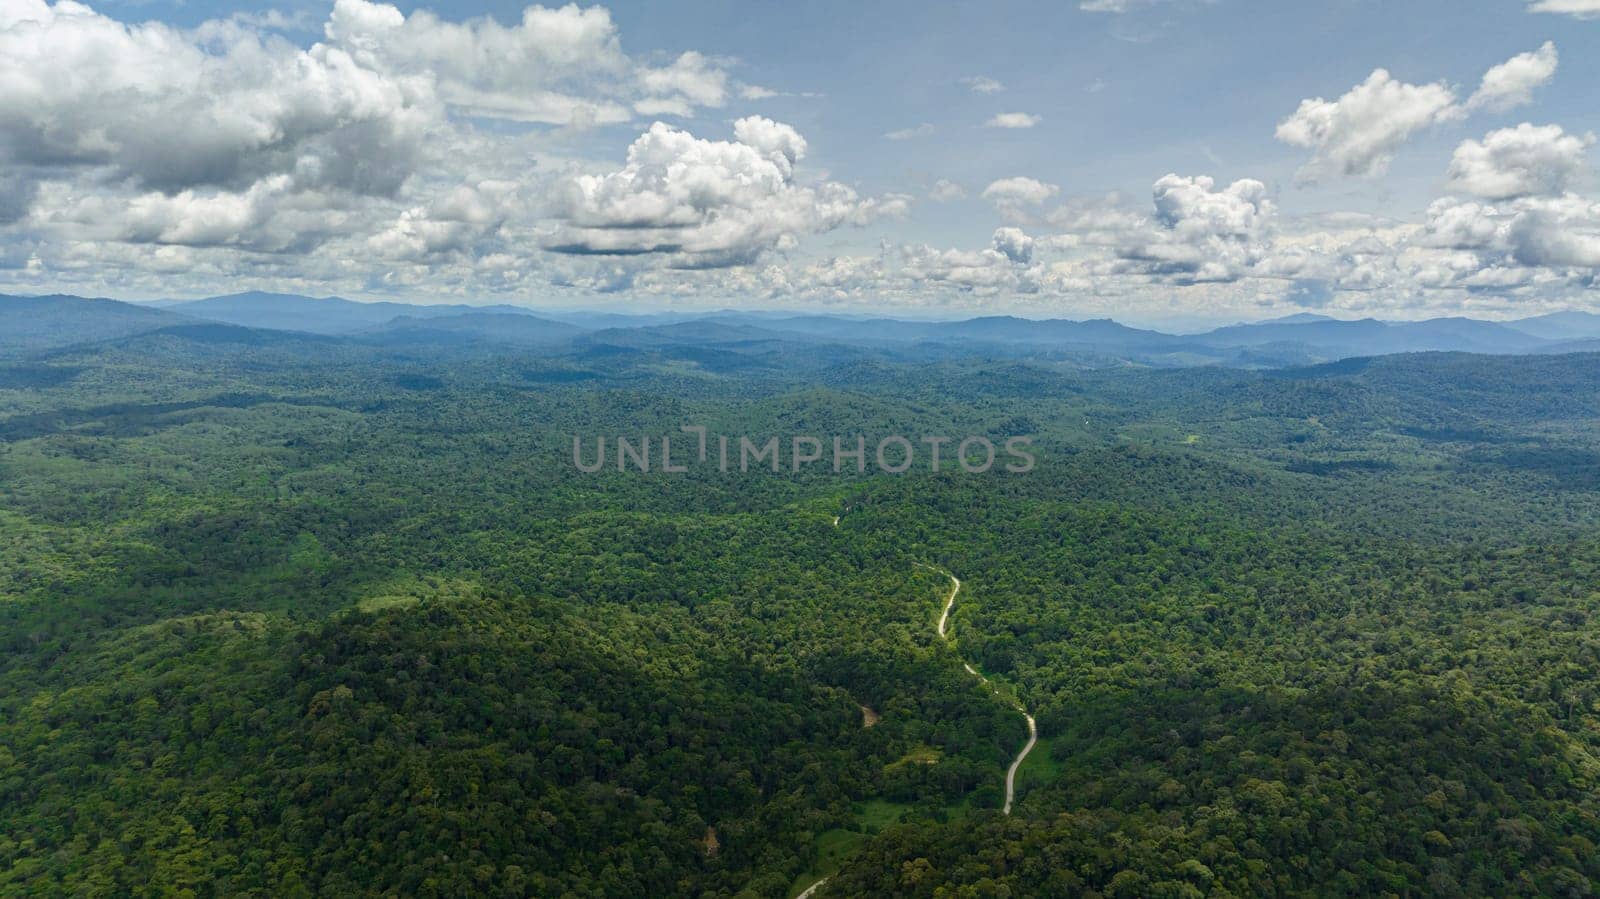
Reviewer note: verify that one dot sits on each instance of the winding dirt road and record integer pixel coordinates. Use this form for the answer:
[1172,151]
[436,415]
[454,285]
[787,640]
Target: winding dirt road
[944,634]
[1033,728]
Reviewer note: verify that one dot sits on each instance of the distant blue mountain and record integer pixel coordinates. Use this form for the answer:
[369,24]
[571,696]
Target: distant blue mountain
[1561,326]
[42,323]
[1370,336]
[33,323]
[998,329]
[511,329]
[324,315]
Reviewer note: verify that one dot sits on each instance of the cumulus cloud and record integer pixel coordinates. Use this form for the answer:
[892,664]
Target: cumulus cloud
[1582,9]
[556,66]
[222,145]
[1511,83]
[1019,191]
[983,85]
[1013,120]
[223,107]
[776,141]
[1225,247]
[1013,244]
[135,154]
[1559,231]
[269,216]
[453,222]
[1001,268]
[706,202]
[1192,207]
[221,136]
[1201,232]
[1520,161]
[1360,132]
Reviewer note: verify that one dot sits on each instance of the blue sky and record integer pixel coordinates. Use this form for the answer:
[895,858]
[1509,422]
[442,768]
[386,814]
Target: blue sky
[1180,161]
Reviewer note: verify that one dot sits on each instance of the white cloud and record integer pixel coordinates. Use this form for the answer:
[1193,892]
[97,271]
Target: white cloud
[922,130]
[1222,249]
[1561,231]
[1511,83]
[1359,133]
[227,148]
[705,202]
[989,271]
[1190,207]
[560,66]
[1013,244]
[1019,191]
[776,141]
[1013,120]
[1095,220]
[1116,7]
[983,85]
[135,158]
[691,76]
[905,275]
[1520,161]
[453,222]
[221,107]
[1202,233]
[223,136]
[1582,9]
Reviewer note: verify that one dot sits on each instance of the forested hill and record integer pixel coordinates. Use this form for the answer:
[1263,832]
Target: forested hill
[287,613]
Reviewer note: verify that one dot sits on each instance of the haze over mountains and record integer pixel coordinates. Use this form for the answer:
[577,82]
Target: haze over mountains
[43,323]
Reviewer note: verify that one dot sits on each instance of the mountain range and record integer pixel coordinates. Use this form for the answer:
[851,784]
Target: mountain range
[47,322]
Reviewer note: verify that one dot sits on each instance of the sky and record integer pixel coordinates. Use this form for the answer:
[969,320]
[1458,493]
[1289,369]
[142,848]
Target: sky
[1161,162]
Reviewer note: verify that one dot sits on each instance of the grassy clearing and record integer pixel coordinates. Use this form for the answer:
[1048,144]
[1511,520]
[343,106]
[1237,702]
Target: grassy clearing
[834,847]
[1038,769]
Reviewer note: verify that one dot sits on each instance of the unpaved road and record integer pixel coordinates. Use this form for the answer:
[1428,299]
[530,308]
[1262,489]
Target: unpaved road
[1011,773]
[1033,728]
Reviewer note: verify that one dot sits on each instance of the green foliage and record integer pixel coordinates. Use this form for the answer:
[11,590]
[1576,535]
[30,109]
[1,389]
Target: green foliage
[302,617]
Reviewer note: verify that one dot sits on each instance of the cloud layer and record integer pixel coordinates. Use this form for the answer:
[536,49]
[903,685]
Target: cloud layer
[414,155]
[400,141]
